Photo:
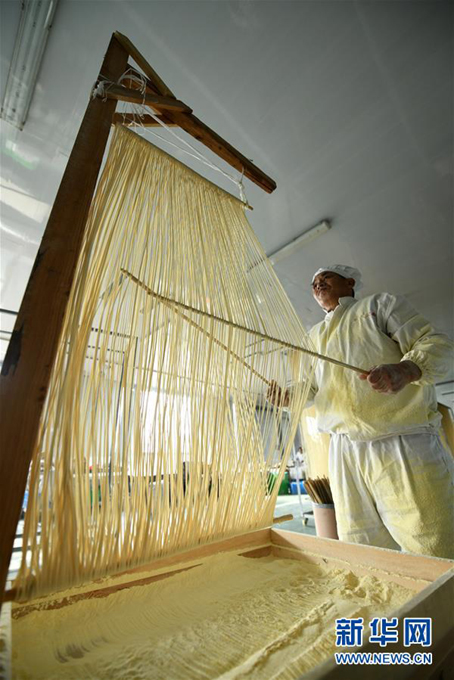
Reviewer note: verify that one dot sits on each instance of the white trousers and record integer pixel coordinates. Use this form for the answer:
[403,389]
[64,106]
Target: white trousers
[394,493]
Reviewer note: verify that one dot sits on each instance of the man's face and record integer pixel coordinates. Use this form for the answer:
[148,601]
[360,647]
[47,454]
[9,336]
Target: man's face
[328,287]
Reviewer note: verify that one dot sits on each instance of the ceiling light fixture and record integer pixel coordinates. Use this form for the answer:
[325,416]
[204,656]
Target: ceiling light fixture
[34,26]
[292,246]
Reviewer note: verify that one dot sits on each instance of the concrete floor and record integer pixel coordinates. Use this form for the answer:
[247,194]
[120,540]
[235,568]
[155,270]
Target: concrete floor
[290,505]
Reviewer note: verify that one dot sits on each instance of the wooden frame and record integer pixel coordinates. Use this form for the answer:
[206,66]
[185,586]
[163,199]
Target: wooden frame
[431,579]
[193,126]
[26,369]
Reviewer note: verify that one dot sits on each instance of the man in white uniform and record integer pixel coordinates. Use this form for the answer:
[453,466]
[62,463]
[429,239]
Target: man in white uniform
[391,477]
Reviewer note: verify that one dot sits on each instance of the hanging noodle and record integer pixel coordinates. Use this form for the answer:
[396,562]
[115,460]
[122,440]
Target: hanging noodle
[156,434]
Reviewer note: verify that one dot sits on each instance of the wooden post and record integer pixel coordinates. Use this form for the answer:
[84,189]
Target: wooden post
[31,353]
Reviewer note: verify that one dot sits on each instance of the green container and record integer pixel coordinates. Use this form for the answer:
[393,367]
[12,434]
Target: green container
[284,488]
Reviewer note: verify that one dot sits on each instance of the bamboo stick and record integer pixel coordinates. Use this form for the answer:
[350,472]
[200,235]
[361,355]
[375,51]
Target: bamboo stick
[282,518]
[11,595]
[319,490]
[174,308]
[243,544]
[289,345]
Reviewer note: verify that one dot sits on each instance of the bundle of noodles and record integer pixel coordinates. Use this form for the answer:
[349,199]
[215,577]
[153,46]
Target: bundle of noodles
[156,434]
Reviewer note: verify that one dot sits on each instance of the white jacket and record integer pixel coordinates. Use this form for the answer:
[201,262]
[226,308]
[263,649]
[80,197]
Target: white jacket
[379,329]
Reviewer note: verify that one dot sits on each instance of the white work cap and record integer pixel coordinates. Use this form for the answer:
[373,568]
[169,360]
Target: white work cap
[343,270]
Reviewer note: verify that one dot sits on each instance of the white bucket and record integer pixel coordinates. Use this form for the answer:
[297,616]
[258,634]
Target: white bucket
[325,520]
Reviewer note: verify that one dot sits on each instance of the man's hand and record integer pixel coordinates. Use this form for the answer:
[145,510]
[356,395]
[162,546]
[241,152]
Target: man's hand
[277,396]
[391,378]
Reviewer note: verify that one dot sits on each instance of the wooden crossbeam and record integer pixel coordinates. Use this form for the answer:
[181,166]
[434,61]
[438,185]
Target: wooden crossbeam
[189,123]
[130,119]
[126,94]
[195,127]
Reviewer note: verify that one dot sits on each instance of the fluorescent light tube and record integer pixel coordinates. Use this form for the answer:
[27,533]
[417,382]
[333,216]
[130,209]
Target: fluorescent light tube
[292,246]
[34,26]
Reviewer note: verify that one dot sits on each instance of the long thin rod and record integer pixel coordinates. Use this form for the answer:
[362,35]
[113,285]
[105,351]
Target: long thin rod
[174,307]
[289,345]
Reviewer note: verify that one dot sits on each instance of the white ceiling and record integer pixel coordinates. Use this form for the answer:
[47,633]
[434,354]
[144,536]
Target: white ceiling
[347,105]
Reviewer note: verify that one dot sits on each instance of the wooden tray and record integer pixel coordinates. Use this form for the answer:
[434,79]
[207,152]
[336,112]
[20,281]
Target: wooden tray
[431,579]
